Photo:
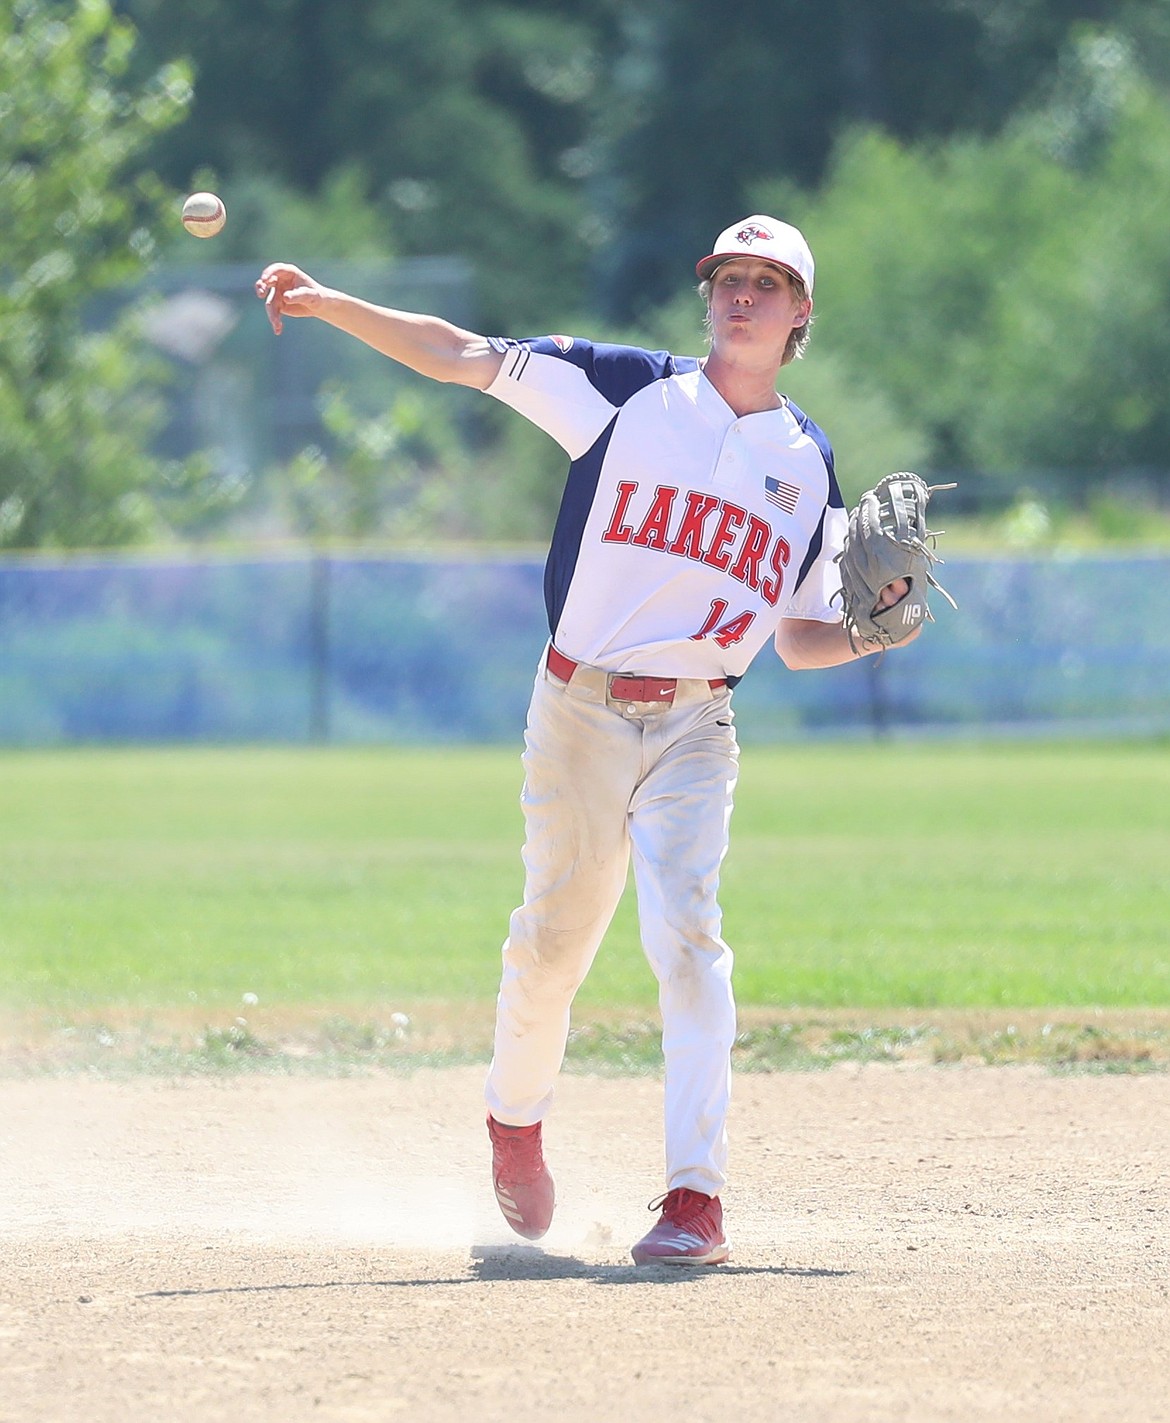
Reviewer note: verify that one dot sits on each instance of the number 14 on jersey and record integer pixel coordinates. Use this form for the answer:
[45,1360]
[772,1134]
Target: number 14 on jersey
[726,631]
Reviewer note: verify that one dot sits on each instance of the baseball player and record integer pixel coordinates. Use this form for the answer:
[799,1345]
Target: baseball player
[700,520]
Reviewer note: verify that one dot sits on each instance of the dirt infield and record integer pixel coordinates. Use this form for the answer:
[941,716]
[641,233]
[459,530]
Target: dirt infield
[912,1243]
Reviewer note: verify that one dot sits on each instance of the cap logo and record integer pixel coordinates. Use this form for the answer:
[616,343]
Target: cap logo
[562,342]
[752,232]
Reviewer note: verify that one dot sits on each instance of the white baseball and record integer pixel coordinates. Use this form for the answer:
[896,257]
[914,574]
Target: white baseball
[204,214]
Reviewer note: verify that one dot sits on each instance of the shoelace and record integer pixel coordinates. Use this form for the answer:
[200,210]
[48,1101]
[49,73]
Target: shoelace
[522,1160]
[681,1206]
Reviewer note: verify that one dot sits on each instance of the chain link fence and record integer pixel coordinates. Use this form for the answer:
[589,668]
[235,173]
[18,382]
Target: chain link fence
[367,648]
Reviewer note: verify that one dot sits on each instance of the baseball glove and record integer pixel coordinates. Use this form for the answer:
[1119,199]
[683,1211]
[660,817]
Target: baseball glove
[887,539]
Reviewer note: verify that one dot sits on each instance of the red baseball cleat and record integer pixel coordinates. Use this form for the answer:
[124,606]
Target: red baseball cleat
[523,1183]
[689,1232]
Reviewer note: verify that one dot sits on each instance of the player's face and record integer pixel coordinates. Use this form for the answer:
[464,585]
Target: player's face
[752,301]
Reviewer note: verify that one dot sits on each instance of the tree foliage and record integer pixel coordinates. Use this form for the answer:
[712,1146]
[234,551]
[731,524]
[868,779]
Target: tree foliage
[78,404]
[983,182]
[590,149]
[1010,295]
[708,104]
[465,121]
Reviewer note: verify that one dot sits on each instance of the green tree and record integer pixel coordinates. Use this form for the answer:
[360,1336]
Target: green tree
[464,122]
[580,155]
[78,402]
[706,104]
[1010,296]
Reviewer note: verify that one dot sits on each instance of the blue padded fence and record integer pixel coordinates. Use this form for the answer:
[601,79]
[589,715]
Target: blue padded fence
[351,648]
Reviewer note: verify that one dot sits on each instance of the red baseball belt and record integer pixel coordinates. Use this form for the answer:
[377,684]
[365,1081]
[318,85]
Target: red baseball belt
[622,688]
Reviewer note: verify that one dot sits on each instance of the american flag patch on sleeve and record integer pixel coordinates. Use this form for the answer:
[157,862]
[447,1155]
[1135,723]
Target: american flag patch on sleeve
[784,496]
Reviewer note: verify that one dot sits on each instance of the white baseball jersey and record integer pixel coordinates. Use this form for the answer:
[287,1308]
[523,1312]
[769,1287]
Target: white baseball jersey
[685,532]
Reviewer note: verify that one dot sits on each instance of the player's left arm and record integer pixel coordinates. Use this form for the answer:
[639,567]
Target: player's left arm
[804,644]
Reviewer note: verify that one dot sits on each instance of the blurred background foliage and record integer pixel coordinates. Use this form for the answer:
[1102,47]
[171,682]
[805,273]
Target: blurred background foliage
[985,183]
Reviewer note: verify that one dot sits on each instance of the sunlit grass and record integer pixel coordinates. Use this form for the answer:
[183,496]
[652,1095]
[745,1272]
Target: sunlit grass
[859,876]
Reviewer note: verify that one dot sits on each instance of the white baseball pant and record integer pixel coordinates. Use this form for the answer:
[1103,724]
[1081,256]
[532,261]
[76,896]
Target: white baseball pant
[604,780]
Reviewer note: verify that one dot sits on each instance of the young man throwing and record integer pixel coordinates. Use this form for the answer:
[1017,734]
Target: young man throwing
[700,519]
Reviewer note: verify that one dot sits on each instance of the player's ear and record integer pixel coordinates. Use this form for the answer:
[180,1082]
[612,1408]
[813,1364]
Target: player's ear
[803,313]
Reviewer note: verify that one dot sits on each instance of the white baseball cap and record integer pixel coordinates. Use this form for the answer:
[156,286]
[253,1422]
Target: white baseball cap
[765,237]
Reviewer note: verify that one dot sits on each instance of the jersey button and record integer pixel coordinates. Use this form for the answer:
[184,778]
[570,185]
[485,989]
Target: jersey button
[631,709]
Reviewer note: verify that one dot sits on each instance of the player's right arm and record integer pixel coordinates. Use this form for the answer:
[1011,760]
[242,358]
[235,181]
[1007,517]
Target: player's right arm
[426,344]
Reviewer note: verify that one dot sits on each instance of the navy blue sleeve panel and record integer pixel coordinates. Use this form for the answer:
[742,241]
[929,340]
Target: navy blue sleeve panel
[821,440]
[833,500]
[617,372]
[565,547]
[815,544]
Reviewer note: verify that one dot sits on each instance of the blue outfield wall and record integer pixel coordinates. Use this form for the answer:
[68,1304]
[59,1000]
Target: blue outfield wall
[353,648]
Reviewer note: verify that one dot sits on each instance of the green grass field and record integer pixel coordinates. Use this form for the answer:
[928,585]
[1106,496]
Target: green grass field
[917,876]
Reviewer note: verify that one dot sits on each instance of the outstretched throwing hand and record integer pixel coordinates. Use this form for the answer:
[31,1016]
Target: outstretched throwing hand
[287,291]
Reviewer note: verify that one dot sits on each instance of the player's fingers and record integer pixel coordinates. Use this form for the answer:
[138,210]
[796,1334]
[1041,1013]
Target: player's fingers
[285,291]
[298,301]
[268,290]
[893,593]
[281,272]
[278,277]
[272,306]
[266,282]
[295,301]
[274,286]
